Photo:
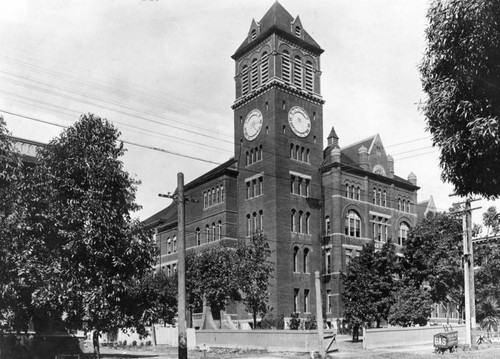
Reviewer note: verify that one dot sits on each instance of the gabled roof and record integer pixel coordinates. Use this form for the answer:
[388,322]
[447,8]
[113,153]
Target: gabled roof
[278,19]
[350,153]
[425,207]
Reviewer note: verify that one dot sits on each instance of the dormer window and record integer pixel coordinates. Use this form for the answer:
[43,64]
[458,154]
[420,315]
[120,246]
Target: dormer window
[298,31]
[254,34]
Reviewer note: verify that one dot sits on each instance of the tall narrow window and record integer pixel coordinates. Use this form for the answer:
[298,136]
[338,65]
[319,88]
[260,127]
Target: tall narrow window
[309,76]
[217,195]
[222,193]
[213,231]
[285,67]
[255,74]
[374,196]
[328,260]
[296,300]
[244,80]
[297,72]
[264,68]
[174,244]
[328,301]
[358,194]
[249,225]
[384,199]
[219,230]
[327,225]
[308,223]
[292,221]
[255,223]
[295,259]
[301,224]
[347,190]
[306,260]
[306,300]
[169,244]
[292,150]
[261,220]
[205,202]
[249,189]
[261,185]
[198,237]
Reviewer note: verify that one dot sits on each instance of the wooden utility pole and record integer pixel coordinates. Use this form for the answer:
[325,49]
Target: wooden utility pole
[319,315]
[470,302]
[179,198]
[181,268]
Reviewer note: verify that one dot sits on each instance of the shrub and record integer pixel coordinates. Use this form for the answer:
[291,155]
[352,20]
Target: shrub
[134,343]
[294,323]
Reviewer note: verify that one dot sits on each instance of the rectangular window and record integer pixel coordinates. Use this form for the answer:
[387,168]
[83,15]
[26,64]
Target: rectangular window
[328,301]
[296,300]
[306,301]
[348,256]
[328,260]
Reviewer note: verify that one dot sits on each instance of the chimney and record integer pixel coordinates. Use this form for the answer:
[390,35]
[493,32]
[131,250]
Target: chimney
[363,158]
[390,164]
[412,178]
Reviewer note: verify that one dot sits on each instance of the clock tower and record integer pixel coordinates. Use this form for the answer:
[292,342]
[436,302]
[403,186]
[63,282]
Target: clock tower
[278,122]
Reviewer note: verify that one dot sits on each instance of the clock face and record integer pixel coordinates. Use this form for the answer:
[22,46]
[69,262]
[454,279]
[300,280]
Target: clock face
[252,125]
[299,121]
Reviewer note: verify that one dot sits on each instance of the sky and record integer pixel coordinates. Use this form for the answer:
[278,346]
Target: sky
[161,71]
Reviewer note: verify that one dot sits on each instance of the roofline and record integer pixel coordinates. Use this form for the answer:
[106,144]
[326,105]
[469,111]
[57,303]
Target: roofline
[216,172]
[30,142]
[361,171]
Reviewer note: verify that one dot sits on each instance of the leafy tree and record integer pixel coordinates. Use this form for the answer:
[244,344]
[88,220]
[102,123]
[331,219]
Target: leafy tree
[254,271]
[15,291]
[461,77]
[368,284]
[210,276]
[412,305]
[489,314]
[490,221]
[433,255]
[154,297]
[486,277]
[77,247]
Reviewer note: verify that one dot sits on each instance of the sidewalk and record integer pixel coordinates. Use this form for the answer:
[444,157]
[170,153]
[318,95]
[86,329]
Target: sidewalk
[347,349]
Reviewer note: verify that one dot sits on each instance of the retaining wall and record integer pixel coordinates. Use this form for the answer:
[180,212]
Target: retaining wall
[271,340]
[169,336]
[398,336]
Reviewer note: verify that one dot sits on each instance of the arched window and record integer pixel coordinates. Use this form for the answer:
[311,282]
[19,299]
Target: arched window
[217,195]
[308,223]
[198,237]
[219,230]
[403,233]
[249,225]
[347,189]
[213,231]
[213,196]
[292,221]
[399,204]
[292,151]
[261,220]
[301,224]
[309,76]
[169,243]
[327,225]
[261,151]
[244,80]
[358,194]
[205,201]
[308,155]
[255,224]
[384,203]
[297,71]
[222,193]
[285,66]
[174,244]
[255,74]
[306,260]
[264,68]
[353,224]
[374,196]
[351,195]
[295,259]
[207,233]
[248,159]
[303,154]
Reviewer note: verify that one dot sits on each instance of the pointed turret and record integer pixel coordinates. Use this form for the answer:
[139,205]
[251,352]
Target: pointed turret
[333,139]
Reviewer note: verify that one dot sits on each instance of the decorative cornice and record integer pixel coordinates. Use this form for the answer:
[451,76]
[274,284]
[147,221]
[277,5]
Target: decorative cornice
[275,83]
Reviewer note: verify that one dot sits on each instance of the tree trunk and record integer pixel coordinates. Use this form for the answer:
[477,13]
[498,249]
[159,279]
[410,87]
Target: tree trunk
[254,316]
[355,333]
[95,342]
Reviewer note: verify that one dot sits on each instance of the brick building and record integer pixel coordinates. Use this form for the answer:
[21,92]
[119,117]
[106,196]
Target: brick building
[316,206]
